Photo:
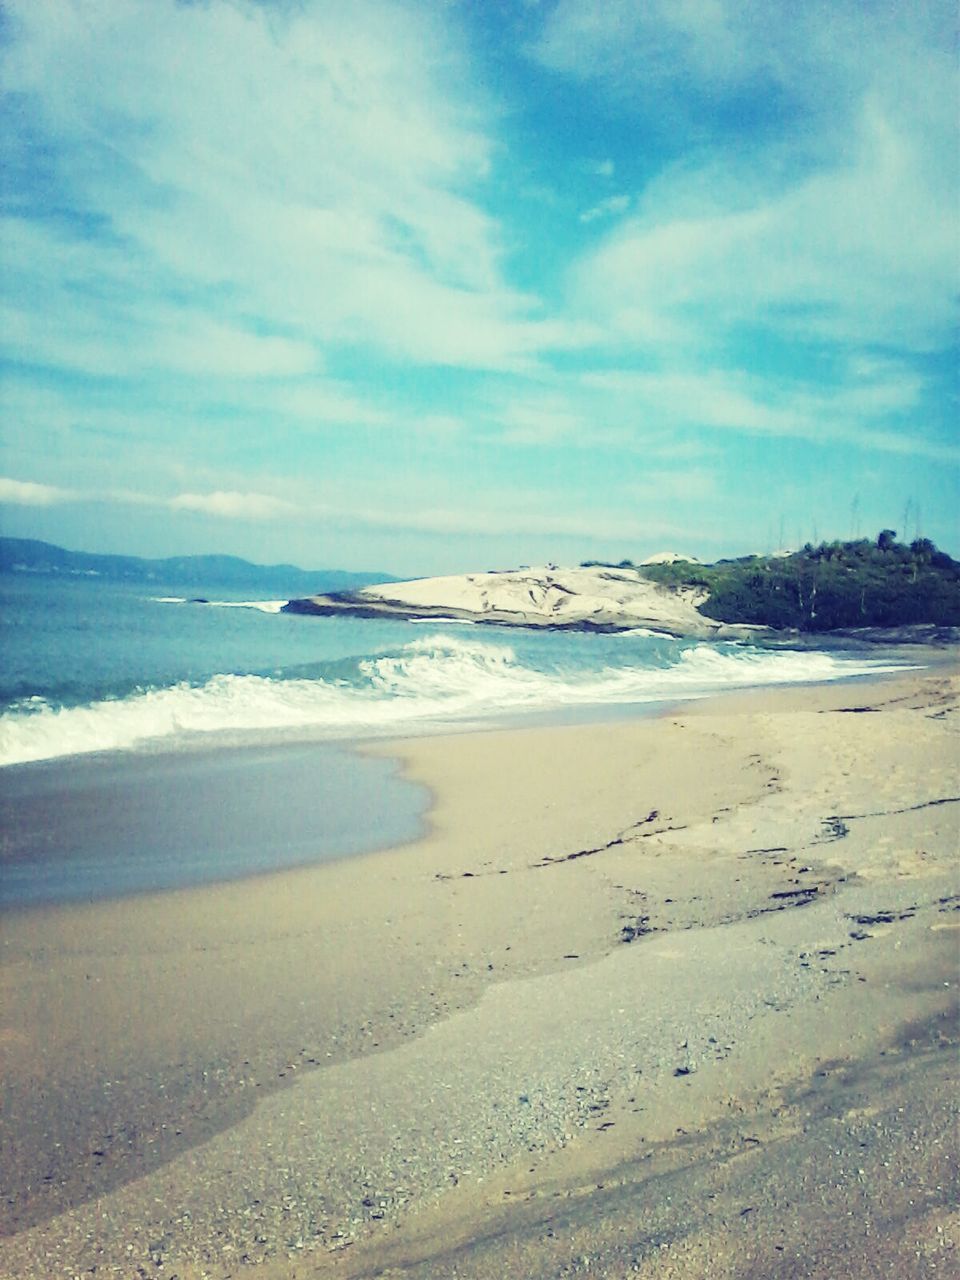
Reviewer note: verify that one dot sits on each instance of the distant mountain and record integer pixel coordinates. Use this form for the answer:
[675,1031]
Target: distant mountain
[25,555]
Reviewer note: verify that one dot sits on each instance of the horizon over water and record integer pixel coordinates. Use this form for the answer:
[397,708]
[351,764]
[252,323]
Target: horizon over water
[137,685]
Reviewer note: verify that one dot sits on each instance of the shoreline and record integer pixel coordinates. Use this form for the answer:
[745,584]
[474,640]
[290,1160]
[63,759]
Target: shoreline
[597,598]
[852,639]
[495,959]
[60,788]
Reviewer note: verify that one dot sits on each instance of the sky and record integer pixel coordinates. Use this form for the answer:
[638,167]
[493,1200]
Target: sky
[434,286]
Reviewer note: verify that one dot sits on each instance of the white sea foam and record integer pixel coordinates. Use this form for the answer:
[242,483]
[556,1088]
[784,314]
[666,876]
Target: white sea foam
[440,621]
[264,606]
[432,680]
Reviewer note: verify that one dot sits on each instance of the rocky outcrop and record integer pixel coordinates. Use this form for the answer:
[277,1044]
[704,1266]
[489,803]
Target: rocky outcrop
[584,599]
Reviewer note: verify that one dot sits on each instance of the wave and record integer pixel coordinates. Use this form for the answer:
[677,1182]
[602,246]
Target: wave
[427,683]
[264,606]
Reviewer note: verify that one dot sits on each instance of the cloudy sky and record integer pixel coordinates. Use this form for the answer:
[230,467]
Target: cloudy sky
[442,285]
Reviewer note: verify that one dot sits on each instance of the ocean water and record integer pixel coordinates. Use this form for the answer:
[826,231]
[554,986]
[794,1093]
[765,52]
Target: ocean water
[91,666]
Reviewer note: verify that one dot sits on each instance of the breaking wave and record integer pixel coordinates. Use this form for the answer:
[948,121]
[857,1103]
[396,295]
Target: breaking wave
[430,682]
[263,606]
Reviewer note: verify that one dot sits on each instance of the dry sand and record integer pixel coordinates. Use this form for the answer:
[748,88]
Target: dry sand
[670,998]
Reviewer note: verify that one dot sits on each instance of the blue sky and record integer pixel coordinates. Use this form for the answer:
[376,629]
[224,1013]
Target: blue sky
[429,287]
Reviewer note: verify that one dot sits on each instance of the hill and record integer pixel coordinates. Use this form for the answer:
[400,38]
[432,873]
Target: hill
[833,586]
[24,555]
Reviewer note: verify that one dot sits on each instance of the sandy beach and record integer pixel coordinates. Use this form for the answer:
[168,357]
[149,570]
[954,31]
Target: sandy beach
[665,997]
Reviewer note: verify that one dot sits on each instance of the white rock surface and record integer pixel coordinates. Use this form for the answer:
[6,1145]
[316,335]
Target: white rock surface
[596,596]
[670,557]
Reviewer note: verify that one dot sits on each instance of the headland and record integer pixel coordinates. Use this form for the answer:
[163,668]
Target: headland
[860,592]
[584,599]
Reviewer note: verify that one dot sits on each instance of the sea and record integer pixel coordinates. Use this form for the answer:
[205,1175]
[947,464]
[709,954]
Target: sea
[153,737]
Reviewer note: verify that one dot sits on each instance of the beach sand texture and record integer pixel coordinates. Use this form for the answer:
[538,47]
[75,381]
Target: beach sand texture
[666,998]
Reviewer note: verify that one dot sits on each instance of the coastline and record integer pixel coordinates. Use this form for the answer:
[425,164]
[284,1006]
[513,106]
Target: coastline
[423,1057]
[602,599]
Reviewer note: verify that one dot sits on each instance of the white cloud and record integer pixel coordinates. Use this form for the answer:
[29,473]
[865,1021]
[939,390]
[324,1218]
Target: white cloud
[91,308]
[256,217]
[833,228]
[684,412]
[520,512]
[234,506]
[861,254]
[796,254]
[217,351]
[317,402]
[519,518]
[313,166]
[25,493]
[628,44]
[811,64]
[223,504]
[721,400]
[544,418]
[688,484]
[608,208]
[105,433]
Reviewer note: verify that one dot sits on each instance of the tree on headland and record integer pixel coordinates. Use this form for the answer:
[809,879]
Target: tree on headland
[923,549]
[864,583]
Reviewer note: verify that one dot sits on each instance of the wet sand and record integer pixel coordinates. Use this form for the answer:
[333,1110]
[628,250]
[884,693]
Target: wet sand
[90,827]
[662,998]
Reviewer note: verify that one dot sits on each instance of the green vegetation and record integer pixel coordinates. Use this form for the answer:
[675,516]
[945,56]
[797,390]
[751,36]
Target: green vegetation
[836,584]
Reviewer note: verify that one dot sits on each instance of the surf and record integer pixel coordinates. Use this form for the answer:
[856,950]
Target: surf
[429,683]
